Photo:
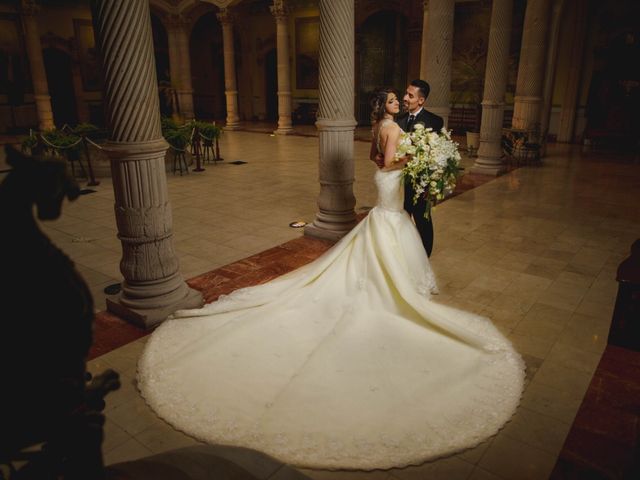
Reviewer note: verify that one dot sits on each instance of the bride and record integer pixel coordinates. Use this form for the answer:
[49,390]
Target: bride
[345,363]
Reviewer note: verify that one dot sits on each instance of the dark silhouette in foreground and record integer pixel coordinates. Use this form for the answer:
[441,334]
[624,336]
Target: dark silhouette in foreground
[45,335]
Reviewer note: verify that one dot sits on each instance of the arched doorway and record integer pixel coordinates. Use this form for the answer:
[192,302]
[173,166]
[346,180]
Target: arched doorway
[161,53]
[58,67]
[271,85]
[382,57]
[207,67]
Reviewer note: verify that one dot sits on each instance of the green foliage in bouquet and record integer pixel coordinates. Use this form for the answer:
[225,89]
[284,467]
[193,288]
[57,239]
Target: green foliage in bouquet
[433,168]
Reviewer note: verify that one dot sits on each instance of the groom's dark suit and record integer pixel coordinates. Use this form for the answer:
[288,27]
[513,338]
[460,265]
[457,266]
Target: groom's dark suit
[417,211]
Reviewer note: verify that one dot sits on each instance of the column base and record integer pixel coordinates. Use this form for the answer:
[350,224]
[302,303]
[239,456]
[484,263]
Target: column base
[283,131]
[231,127]
[314,231]
[150,317]
[493,170]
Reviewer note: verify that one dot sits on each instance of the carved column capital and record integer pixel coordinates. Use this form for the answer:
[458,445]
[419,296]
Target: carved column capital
[177,22]
[226,16]
[280,10]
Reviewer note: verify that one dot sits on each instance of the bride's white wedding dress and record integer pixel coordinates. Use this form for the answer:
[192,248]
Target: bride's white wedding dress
[343,363]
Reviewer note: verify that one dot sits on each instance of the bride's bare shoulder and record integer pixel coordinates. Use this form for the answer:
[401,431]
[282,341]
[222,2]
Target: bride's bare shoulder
[388,126]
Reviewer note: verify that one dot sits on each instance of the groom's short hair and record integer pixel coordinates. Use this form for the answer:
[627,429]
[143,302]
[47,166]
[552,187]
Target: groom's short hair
[422,86]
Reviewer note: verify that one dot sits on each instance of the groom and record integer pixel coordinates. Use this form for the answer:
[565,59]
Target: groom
[414,98]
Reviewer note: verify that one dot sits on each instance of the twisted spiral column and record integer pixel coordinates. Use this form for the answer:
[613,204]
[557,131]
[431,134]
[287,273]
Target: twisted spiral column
[439,50]
[281,13]
[230,85]
[495,83]
[180,63]
[550,71]
[336,122]
[571,86]
[425,40]
[41,96]
[152,287]
[526,110]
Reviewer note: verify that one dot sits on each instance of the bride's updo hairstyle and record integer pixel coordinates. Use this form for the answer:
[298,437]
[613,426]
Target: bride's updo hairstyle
[378,102]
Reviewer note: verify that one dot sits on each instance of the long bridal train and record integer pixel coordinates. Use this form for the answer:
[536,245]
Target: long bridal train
[345,363]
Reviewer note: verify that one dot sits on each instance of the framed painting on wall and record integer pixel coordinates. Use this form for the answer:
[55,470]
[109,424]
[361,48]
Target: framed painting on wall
[87,55]
[307,48]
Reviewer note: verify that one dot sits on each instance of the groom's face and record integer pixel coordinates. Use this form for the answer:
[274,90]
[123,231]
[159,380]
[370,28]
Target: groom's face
[412,99]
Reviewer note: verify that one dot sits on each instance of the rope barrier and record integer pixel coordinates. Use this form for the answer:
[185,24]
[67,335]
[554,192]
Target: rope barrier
[64,147]
[99,147]
[204,137]
[177,149]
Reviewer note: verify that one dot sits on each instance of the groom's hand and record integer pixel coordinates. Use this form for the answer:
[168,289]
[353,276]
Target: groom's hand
[379,160]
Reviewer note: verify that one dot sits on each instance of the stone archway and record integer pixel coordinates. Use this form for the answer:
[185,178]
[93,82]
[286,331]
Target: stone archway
[59,69]
[381,57]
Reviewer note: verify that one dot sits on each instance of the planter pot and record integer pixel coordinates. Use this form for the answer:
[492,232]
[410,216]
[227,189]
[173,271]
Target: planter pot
[473,143]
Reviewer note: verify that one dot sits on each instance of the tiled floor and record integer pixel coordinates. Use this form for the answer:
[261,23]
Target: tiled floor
[536,250]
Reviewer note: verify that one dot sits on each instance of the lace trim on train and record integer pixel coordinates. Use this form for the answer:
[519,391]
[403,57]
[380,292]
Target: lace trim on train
[497,395]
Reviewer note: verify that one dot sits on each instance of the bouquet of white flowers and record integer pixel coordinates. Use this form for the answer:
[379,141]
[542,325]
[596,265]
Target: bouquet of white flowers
[434,164]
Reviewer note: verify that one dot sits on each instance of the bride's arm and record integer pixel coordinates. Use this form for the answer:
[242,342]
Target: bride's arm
[374,150]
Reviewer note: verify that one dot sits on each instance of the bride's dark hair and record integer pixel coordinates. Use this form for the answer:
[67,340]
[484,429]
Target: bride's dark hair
[378,102]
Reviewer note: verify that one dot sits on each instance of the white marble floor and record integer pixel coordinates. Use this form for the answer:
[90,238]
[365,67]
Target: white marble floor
[536,250]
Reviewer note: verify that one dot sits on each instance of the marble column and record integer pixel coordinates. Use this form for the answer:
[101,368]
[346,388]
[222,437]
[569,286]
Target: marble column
[41,96]
[153,287]
[526,109]
[180,64]
[281,13]
[336,122]
[439,50]
[495,83]
[425,40]
[230,84]
[571,87]
[550,72]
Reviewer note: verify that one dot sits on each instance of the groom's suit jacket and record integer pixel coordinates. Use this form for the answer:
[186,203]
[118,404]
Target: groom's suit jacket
[430,120]
[417,211]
